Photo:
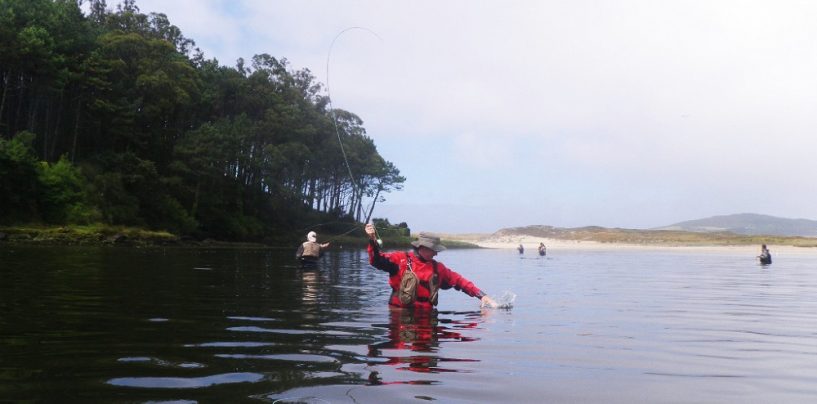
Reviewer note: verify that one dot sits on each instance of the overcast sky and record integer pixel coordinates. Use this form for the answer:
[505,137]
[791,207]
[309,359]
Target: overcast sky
[630,114]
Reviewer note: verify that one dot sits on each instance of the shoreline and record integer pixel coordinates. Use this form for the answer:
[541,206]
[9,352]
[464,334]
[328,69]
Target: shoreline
[101,235]
[531,243]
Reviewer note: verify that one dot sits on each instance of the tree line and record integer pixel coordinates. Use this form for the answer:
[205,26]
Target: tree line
[113,116]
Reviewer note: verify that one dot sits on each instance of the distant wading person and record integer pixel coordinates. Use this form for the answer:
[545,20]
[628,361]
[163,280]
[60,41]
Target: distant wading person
[542,249]
[309,252]
[521,249]
[429,276]
[765,256]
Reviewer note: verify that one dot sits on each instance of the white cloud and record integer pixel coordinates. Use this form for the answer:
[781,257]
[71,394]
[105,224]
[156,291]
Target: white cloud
[664,110]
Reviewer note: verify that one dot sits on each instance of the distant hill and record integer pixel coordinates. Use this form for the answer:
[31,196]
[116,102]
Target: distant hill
[748,224]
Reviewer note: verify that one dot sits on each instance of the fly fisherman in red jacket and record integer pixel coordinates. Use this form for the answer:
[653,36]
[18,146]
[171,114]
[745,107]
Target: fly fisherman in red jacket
[430,275]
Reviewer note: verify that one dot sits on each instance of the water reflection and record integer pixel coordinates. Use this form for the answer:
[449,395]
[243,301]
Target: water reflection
[186,382]
[413,342]
[111,325]
[310,286]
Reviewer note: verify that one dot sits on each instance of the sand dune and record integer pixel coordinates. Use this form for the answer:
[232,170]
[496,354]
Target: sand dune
[553,245]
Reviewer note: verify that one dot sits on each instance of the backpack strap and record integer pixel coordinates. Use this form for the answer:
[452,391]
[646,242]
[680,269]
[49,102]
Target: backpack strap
[434,284]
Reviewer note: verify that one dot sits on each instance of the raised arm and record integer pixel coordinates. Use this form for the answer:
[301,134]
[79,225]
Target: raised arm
[376,258]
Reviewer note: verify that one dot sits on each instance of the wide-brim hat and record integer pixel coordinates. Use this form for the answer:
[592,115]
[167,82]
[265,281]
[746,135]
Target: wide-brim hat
[428,240]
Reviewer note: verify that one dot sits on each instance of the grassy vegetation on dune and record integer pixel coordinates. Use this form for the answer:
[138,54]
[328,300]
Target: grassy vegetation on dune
[655,237]
[662,237]
[448,243]
[685,238]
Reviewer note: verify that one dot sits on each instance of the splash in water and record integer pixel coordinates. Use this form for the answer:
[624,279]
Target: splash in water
[504,302]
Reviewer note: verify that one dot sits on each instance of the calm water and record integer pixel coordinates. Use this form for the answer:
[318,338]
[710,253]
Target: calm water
[153,325]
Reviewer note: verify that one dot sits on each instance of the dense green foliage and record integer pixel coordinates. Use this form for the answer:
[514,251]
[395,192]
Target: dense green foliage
[116,117]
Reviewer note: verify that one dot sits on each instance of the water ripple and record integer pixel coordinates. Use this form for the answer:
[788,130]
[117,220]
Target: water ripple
[283,357]
[186,382]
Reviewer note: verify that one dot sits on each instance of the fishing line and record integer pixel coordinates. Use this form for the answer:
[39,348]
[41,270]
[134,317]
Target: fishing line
[319,225]
[337,236]
[355,186]
[329,98]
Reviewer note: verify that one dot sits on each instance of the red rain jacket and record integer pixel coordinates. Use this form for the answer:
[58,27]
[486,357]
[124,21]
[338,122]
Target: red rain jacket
[395,264]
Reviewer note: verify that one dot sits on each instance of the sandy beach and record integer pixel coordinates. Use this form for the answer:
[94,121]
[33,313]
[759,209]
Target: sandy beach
[553,245]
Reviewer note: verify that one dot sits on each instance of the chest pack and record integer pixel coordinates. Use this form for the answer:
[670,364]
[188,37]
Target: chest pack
[409,282]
